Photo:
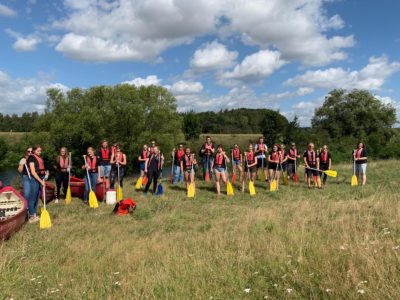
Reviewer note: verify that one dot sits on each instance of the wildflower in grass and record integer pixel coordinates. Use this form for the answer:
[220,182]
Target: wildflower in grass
[361,291]
[117,283]
[275,285]
[396,247]
[328,290]
[116,273]
[289,290]
[247,290]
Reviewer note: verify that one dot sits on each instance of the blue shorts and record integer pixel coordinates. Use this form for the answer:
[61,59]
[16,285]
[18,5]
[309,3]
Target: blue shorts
[105,171]
[236,162]
[220,170]
[142,166]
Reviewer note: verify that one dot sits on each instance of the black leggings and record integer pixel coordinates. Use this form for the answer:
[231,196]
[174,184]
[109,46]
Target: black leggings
[114,177]
[152,175]
[323,167]
[61,178]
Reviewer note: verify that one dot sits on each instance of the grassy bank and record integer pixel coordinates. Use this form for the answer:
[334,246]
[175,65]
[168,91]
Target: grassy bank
[338,243]
[12,138]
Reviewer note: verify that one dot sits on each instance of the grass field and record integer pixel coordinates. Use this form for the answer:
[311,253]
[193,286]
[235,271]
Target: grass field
[13,137]
[335,243]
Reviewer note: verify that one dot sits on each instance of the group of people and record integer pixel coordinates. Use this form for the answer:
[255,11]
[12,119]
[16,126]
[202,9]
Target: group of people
[108,164]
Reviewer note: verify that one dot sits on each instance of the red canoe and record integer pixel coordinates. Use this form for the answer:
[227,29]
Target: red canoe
[13,211]
[78,188]
[50,192]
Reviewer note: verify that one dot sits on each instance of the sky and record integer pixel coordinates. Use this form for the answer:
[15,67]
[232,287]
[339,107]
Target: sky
[284,55]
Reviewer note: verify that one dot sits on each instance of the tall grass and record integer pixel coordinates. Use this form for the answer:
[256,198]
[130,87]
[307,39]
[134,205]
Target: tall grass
[335,243]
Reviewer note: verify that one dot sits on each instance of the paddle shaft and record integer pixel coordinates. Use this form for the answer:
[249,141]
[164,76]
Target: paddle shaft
[27,171]
[87,173]
[44,193]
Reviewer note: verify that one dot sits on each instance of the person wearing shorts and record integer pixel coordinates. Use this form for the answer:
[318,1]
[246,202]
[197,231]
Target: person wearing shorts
[237,161]
[273,165]
[103,157]
[188,165]
[360,155]
[311,161]
[219,166]
[250,165]
[325,162]
[261,151]
[143,156]
[292,157]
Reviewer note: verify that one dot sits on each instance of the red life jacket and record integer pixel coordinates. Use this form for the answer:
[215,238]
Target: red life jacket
[292,153]
[324,156]
[281,155]
[105,153]
[120,156]
[188,162]
[63,162]
[92,162]
[144,154]
[274,156]
[179,154]
[261,147]
[236,154]
[219,161]
[359,153]
[41,170]
[311,159]
[208,151]
[250,158]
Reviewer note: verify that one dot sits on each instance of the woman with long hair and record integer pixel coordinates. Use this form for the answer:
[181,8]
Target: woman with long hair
[23,169]
[360,155]
[92,176]
[61,166]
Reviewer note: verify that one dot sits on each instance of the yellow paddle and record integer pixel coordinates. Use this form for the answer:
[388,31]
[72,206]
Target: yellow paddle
[330,173]
[68,194]
[229,187]
[252,190]
[92,196]
[120,194]
[45,221]
[138,184]
[273,184]
[354,180]
[191,190]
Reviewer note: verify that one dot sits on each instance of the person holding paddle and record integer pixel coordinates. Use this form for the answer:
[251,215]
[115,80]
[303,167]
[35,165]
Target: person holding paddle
[61,166]
[219,166]
[38,173]
[92,176]
[261,151]
[237,163]
[103,158]
[152,169]
[118,163]
[360,156]
[188,166]
[273,165]
[292,157]
[325,162]
[311,162]
[177,157]
[143,155]
[207,152]
[24,171]
[250,165]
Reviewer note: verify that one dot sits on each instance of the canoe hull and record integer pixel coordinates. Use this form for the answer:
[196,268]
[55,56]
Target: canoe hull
[78,188]
[50,192]
[14,223]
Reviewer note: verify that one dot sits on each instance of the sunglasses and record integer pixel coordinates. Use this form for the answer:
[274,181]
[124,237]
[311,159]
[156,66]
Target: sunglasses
[29,151]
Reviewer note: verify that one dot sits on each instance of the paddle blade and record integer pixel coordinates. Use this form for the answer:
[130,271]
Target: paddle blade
[207,177]
[45,221]
[138,184]
[295,177]
[354,180]
[262,176]
[190,191]
[252,190]
[233,178]
[144,180]
[272,186]
[68,196]
[93,200]
[120,194]
[229,189]
[160,189]
[331,173]
[285,180]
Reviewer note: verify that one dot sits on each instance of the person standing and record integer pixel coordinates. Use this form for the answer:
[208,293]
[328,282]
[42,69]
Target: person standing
[360,155]
[311,161]
[292,157]
[143,156]
[103,160]
[153,169]
[62,167]
[118,163]
[325,162]
[237,158]
[273,165]
[219,166]
[93,171]
[207,152]
[38,174]
[188,166]
[250,165]
[23,169]
[261,150]
[177,157]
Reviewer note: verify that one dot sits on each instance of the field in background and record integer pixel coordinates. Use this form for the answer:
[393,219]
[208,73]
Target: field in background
[13,137]
[335,243]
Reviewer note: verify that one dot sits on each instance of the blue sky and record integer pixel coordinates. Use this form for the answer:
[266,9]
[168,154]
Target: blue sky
[279,54]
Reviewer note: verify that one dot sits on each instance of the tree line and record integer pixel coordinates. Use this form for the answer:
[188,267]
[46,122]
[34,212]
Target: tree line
[133,116]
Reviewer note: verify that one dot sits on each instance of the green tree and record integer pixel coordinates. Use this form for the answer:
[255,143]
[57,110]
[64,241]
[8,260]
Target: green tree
[191,126]
[273,127]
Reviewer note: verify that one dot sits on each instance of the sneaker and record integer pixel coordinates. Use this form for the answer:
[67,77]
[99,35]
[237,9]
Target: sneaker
[33,219]
[56,201]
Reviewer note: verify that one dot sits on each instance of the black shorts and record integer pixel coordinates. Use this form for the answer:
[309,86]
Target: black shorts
[290,169]
[252,169]
[311,173]
[272,166]
[283,167]
[261,162]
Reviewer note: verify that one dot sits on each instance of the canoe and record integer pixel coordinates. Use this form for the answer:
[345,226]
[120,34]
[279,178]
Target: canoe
[50,192]
[78,188]
[13,211]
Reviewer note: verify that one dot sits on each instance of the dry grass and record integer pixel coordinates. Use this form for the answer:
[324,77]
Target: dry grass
[13,137]
[339,243]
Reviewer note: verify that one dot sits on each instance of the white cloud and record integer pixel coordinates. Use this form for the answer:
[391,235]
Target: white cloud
[391,101]
[186,88]
[213,56]
[304,110]
[6,11]
[24,44]
[19,95]
[254,67]
[149,80]
[371,77]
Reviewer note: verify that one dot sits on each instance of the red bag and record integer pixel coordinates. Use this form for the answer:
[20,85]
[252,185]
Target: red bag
[123,207]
